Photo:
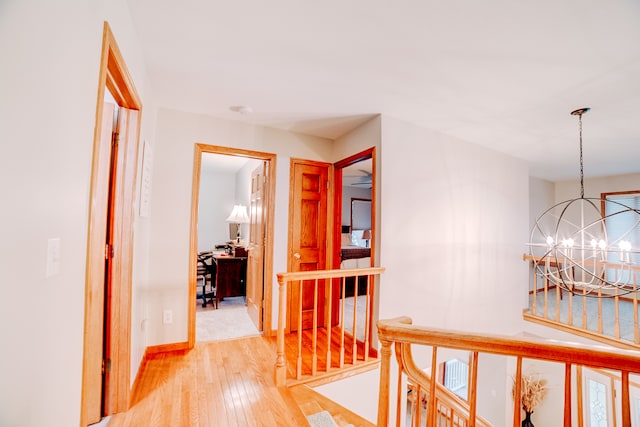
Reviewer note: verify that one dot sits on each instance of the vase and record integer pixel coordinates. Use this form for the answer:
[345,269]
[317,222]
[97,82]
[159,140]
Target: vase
[527,420]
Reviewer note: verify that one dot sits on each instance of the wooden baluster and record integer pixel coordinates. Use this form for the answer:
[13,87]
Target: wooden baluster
[546,297]
[473,392]
[314,332]
[329,321]
[417,404]
[367,319]
[299,362]
[636,335]
[400,394]
[584,308]
[517,393]
[431,414]
[342,322]
[570,309]
[558,300]
[535,289]
[580,396]
[616,302]
[567,395]
[626,404]
[354,354]
[385,373]
[599,310]
[281,361]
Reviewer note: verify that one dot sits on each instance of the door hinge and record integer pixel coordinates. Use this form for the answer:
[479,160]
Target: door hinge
[108,251]
[115,136]
[106,365]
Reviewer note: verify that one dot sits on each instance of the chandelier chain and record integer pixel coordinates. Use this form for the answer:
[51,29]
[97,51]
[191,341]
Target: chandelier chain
[581,160]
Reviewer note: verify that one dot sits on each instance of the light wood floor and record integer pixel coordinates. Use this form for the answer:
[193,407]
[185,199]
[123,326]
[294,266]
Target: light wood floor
[223,383]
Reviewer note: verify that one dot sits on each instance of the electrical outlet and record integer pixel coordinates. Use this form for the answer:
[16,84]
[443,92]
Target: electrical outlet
[167,317]
[53,257]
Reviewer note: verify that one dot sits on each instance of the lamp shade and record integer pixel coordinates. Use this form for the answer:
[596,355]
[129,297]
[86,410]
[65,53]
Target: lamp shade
[238,215]
[366,234]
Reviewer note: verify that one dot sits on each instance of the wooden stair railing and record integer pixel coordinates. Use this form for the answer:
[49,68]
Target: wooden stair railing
[593,319]
[401,333]
[319,342]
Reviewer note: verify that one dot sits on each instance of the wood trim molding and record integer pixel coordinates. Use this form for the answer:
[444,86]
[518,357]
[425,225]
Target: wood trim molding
[165,348]
[270,158]
[114,75]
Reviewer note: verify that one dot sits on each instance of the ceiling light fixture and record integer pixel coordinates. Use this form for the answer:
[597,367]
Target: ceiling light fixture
[576,246]
[242,109]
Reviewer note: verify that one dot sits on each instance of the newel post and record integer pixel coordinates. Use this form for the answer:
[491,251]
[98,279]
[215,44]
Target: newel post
[281,361]
[385,374]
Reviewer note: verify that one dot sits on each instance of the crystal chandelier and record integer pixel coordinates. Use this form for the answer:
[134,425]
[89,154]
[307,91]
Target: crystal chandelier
[571,246]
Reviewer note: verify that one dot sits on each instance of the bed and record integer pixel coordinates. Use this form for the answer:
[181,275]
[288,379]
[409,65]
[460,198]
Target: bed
[350,251]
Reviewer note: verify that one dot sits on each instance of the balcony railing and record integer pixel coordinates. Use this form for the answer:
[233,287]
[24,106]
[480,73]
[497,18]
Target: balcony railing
[612,317]
[445,411]
[320,329]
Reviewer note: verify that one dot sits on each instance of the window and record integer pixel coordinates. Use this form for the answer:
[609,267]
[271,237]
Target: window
[622,225]
[456,377]
[599,399]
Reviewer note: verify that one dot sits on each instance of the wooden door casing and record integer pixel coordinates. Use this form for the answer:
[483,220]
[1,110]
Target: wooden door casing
[255,262]
[308,206]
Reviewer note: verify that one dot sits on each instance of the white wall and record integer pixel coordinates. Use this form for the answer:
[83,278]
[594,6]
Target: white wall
[171,203]
[347,194]
[216,200]
[243,193]
[48,83]
[454,228]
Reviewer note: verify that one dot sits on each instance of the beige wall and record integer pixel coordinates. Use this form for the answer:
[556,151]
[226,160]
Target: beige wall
[454,227]
[48,81]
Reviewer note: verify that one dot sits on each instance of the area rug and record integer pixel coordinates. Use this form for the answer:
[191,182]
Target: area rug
[230,320]
[321,419]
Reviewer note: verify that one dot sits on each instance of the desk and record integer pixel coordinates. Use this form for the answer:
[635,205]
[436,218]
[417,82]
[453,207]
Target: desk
[231,276]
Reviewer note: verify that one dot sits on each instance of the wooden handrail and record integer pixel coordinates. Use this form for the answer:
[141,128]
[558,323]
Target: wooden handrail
[328,274]
[401,332]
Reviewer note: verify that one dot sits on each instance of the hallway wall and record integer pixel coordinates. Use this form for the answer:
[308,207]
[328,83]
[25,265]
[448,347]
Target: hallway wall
[48,86]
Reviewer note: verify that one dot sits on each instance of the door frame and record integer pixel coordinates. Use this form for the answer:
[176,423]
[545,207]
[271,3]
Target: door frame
[115,76]
[369,153]
[269,227]
[338,166]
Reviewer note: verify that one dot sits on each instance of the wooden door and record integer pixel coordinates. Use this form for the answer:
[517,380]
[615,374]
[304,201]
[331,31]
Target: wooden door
[255,262]
[307,237]
[98,236]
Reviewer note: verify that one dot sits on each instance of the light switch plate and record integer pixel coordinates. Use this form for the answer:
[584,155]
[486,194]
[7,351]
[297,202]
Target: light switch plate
[53,257]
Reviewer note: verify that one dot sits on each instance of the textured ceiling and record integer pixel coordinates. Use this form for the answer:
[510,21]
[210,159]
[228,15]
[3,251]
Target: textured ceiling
[500,73]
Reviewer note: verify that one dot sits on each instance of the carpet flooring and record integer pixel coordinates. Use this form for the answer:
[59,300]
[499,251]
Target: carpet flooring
[360,305]
[229,320]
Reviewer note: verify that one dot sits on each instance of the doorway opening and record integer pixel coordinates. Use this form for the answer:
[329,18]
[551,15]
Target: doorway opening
[354,232]
[231,259]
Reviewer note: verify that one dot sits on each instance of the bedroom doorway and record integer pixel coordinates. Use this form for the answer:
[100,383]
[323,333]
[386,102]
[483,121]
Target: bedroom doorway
[354,233]
[211,231]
